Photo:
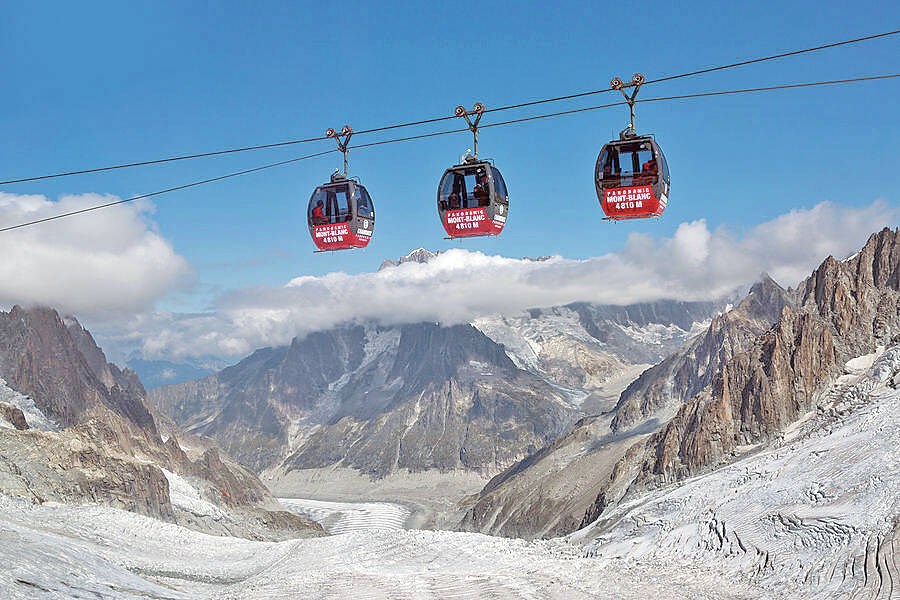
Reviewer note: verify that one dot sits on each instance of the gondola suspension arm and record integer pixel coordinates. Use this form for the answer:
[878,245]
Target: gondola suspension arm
[342,139]
[637,80]
[478,111]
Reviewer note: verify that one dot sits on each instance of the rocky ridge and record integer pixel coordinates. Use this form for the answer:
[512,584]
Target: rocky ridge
[843,310]
[660,390]
[757,369]
[81,431]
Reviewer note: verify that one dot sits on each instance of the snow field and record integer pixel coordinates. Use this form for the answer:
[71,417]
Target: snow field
[98,552]
[344,517]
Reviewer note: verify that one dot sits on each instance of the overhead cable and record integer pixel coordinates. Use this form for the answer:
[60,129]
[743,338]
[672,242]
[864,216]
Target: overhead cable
[165,191]
[447,118]
[460,130]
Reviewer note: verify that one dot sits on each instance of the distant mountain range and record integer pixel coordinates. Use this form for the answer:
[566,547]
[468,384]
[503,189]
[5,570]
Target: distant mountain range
[421,397]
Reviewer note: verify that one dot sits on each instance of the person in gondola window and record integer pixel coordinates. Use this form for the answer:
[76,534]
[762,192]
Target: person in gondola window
[318,214]
[648,172]
[482,190]
[610,179]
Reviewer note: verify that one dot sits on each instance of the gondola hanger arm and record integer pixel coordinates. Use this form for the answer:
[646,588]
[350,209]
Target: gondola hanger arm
[478,111]
[637,80]
[343,140]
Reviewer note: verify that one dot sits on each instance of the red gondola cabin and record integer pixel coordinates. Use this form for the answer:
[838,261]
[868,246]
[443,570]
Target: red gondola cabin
[472,199]
[341,215]
[632,178]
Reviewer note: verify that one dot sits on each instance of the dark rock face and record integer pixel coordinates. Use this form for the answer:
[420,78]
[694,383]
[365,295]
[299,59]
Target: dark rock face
[64,371]
[843,310]
[466,422]
[246,407]
[687,371]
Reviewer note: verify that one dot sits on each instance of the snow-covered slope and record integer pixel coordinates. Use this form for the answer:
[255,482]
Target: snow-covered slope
[98,552]
[815,517]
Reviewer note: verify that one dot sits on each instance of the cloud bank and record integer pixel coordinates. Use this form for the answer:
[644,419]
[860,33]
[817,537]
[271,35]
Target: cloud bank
[113,261]
[695,263]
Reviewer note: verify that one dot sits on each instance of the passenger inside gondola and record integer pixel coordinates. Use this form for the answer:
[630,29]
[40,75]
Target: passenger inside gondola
[453,192]
[363,203]
[318,213]
[610,178]
[482,189]
[337,208]
[628,165]
[648,174]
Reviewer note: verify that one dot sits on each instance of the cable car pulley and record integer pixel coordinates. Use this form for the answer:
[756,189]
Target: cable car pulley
[637,80]
[342,139]
[478,111]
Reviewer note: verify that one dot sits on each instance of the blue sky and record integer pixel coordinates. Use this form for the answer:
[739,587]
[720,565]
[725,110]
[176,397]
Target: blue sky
[97,83]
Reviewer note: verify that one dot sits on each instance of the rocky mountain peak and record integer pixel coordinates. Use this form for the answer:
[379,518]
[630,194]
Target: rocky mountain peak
[429,352]
[857,295]
[661,389]
[765,300]
[419,255]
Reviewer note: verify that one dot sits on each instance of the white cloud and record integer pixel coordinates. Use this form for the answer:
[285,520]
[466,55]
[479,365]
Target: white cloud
[110,261]
[458,286]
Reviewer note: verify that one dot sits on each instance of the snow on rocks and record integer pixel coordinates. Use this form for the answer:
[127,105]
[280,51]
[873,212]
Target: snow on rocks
[186,497]
[33,415]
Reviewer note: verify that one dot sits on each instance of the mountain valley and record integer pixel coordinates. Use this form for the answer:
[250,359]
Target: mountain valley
[646,451]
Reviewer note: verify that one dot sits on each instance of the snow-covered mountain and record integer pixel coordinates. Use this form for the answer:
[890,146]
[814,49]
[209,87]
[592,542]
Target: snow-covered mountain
[419,255]
[414,398]
[377,400]
[596,350]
